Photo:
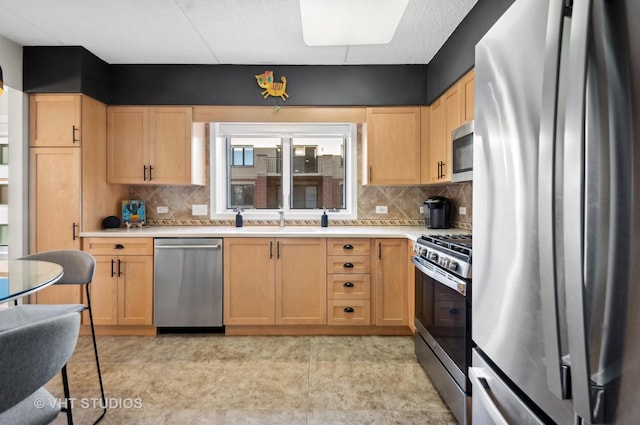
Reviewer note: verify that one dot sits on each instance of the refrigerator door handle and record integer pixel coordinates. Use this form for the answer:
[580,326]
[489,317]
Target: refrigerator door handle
[573,220]
[481,388]
[547,162]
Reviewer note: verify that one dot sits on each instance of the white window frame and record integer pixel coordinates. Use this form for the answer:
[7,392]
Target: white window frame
[219,166]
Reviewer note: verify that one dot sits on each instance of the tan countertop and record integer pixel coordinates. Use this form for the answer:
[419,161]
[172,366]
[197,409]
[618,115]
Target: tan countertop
[409,232]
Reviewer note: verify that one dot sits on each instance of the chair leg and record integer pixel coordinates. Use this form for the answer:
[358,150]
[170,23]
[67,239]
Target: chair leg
[95,350]
[68,402]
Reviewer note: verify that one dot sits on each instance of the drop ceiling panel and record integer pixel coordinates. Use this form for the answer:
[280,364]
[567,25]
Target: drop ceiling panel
[220,31]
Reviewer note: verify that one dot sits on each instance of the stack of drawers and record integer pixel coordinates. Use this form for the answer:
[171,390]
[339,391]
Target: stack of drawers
[348,281]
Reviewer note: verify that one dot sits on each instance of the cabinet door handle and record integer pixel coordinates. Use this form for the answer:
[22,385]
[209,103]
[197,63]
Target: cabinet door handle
[112,264]
[348,310]
[348,285]
[150,173]
[348,265]
[144,173]
[119,268]
[379,250]
[73,135]
[347,246]
[278,249]
[73,231]
[443,169]
[370,173]
[118,246]
[270,249]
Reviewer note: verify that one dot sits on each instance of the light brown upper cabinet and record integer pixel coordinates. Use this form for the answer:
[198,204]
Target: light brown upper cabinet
[446,114]
[54,120]
[437,141]
[153,145]
[467,87]
[393,145]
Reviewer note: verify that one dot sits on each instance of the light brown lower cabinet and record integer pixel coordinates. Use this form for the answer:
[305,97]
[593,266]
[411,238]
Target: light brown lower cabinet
[275,281]
[122,288]
[391,268]
[349,281]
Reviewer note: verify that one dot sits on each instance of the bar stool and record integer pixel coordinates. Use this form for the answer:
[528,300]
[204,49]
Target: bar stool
[32,352]
[79,268]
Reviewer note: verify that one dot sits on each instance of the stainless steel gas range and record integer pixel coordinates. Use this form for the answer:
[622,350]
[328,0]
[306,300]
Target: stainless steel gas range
[443,316]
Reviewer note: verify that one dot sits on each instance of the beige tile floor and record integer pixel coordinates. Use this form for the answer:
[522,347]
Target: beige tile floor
[215,379]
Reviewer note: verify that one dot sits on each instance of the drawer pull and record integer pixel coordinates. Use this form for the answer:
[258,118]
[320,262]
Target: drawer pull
[347,246]
[348,285]
[348,265]
[118,246]
[349,310]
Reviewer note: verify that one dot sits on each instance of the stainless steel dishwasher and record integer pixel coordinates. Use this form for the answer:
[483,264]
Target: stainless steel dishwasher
[188,283]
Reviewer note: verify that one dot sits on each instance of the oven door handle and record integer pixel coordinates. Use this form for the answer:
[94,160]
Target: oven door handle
[457,285]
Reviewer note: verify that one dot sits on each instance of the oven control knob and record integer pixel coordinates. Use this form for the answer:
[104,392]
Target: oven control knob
[432,256]
[453,265]
[444,262]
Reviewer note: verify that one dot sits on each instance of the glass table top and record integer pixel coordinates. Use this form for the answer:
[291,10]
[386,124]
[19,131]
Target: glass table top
[19,278]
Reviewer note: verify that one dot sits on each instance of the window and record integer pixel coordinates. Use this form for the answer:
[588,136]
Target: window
[298,168]
[242,156]
[241,196]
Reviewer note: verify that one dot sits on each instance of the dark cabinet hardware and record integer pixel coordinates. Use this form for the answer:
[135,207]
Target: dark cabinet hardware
[118,246]
[379,250]
[348,310]
[119,268]
[144,173]
[73,136]
[112,264]
[150,173]
[348,266]
[73,231]
[348,285]
[270,249]
[278,249]
[347,246]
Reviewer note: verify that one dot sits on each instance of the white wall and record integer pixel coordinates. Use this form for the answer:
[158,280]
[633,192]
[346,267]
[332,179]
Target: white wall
[17,106]
[11,62]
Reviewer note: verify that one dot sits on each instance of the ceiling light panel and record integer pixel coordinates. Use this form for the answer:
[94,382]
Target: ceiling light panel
[350,22]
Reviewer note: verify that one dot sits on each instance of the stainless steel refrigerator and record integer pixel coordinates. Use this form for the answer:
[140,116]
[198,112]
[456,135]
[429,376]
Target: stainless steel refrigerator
[556,232]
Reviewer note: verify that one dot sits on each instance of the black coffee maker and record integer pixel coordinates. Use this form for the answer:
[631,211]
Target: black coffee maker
[437,212]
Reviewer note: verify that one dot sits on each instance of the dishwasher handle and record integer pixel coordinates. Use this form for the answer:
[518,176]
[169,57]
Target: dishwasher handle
[217,246]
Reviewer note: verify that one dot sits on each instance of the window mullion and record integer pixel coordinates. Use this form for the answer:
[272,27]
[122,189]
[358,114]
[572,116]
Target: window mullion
[287,175]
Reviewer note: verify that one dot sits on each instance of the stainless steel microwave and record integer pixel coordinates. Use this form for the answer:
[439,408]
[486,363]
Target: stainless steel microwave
[462,153]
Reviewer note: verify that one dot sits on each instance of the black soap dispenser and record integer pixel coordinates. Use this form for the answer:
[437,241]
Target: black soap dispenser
[239,218]
[324,221]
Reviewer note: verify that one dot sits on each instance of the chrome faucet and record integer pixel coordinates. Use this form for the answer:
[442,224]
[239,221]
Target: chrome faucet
[282,223]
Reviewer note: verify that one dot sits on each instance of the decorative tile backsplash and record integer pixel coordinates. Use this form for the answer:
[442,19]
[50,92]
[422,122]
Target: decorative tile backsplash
[403,204]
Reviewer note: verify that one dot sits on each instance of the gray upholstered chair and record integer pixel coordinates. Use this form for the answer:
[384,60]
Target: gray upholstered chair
[79,268]
[30,355]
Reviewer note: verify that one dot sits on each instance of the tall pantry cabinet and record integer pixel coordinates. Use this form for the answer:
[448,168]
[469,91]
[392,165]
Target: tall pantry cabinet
[67,177]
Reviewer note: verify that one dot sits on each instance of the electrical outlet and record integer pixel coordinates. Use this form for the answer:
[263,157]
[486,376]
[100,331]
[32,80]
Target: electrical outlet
[422,209]
[463,211]
[162,210]
[199,209]
[381,209]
